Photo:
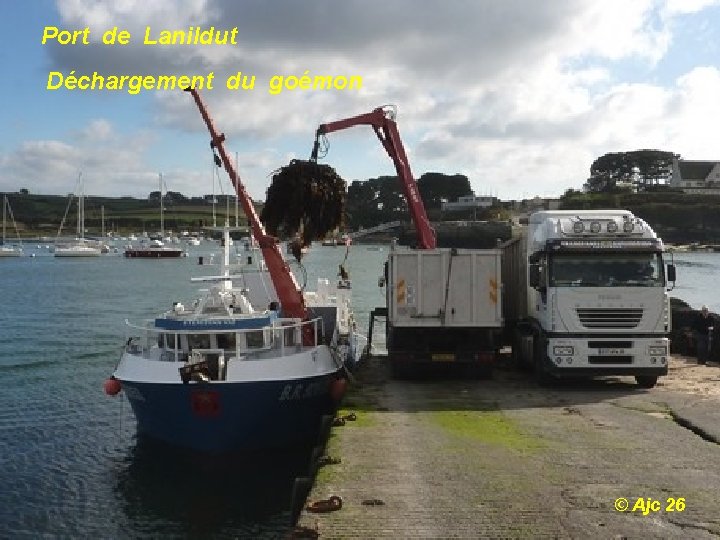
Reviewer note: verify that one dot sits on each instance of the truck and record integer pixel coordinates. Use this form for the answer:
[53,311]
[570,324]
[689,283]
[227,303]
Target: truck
[443,305]
[444,310]
[586,295]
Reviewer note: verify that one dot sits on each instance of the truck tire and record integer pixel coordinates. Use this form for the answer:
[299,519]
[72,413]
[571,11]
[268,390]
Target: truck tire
[400,372]
[542,377]
[646,381]
[519,359]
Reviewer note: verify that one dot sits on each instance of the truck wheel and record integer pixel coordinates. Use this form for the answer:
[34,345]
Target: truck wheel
[542,377]
[399,371]
[519,361]
[646,381]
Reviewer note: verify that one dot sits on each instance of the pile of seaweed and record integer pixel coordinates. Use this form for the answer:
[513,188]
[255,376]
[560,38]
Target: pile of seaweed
[305,200]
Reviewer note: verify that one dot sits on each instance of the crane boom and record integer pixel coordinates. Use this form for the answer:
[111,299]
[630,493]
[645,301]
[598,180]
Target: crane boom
[382,121]
[288,292]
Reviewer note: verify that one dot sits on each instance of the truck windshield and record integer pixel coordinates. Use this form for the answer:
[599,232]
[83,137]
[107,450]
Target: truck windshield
[606,270]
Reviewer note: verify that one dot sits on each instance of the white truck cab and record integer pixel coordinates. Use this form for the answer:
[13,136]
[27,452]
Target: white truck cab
[595,301]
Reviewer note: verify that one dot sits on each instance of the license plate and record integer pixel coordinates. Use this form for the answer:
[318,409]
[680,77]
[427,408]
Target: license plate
[443,357]
[612,352]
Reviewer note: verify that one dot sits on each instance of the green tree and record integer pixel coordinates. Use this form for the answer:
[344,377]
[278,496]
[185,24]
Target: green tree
[436,188]
[639,168]
[375,201]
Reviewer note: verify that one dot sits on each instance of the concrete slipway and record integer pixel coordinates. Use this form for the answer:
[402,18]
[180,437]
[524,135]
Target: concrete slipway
[503,458]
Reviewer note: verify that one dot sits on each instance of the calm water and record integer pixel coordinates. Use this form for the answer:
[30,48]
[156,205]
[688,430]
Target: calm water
[70,463]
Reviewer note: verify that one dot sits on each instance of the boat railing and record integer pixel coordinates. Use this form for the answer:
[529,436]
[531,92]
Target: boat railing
[283,337]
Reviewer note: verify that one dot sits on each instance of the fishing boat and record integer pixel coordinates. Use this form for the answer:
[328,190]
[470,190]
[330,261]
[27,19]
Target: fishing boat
[254,363]
[7,250]
[156,248]
[221,374]
[80,246]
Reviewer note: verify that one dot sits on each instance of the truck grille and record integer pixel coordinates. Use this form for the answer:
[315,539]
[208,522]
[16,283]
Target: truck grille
[609,317]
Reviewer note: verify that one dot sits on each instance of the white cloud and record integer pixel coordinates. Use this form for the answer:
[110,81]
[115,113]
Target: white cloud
[675,7]
[514,93]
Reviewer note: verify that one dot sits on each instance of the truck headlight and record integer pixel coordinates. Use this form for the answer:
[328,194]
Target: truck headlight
[657,351]
[563,350]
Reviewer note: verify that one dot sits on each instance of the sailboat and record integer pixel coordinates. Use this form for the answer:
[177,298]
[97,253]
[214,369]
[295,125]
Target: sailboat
[80,247]
[7,250]
[156,249]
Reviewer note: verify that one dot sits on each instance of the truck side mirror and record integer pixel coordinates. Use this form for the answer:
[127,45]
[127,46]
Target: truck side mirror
[671,272]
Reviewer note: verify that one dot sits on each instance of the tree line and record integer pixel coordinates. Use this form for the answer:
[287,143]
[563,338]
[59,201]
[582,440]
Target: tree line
[637,170]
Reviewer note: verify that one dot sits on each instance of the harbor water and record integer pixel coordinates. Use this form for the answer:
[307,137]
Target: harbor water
[72,465]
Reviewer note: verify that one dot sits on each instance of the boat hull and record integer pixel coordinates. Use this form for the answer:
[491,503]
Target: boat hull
[153,253]
[5,252]
[232,416]
[90,252]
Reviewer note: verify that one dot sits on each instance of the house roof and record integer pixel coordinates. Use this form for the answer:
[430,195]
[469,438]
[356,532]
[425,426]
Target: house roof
[695,170]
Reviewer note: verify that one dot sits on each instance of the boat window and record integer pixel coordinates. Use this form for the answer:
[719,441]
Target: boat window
[289,336]
[167,341]
[199,341]
[226,341]
[255,339]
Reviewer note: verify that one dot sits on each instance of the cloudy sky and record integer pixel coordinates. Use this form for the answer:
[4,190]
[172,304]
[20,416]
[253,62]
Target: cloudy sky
[519,95]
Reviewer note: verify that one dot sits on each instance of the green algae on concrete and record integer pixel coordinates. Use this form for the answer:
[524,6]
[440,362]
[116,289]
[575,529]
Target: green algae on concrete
[490,427]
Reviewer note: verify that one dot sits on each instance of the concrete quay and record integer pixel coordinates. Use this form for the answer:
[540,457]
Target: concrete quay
[503,458]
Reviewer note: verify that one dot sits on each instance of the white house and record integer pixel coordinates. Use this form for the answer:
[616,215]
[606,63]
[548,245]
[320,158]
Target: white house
[696,177]
[468,202]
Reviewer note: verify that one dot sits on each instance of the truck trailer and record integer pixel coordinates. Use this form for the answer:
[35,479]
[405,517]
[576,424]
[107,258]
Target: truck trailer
[586,295]
[444,310]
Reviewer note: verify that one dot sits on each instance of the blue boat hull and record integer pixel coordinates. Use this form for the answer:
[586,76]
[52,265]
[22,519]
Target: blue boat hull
[232,416]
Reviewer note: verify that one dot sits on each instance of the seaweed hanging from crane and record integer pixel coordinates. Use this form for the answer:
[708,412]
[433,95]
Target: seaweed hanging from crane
[305,199]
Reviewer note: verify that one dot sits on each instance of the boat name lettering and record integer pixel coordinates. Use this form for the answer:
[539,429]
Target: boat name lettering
[303,391]
[207,323]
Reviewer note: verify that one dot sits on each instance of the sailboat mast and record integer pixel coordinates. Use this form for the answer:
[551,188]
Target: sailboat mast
[5,203]
[162,211]
[80,207]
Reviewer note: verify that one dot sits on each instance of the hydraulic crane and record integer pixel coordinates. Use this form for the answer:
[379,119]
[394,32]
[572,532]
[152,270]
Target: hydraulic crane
[288,291]
[442,307]
[382,120]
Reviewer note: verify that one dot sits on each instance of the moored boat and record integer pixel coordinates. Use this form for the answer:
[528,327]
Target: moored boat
[80,246]
[156,248]
[236,371]
[221,376]
[7,250]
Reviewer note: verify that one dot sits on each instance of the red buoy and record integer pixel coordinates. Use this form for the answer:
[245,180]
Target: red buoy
[112,386]
[337,389]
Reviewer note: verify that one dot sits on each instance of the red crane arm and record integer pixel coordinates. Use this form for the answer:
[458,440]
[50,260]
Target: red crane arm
[289,294]
[383,123]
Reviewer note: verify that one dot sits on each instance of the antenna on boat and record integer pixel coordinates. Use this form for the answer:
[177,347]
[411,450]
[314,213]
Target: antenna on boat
[237,201]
